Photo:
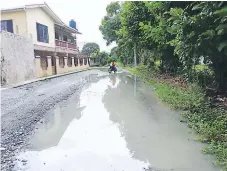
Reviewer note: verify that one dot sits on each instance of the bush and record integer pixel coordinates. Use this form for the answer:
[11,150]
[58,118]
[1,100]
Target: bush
[204,77]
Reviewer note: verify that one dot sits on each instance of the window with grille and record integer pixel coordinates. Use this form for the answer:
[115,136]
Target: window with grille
[61,62]
[69,62]
[81,61]
[7,25]
[52,61]
[57,36]
[76,61]
[42,33]
[85,61]
[65,38]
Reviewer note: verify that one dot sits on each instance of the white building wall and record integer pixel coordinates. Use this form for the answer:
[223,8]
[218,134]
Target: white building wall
[38,15]
[19,21]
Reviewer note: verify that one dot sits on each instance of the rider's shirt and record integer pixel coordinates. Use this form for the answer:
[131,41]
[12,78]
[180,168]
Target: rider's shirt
[113,64]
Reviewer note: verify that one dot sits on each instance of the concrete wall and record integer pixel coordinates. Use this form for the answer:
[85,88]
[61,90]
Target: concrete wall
[19,21]
[66,68]
[41,72]
[94,61]
[17,56]
[38,15]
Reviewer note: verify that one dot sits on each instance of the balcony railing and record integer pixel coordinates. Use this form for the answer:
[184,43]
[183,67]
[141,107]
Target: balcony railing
[66,45]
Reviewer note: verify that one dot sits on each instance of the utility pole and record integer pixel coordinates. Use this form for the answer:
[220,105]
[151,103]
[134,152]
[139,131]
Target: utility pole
[135,85]
[135,62]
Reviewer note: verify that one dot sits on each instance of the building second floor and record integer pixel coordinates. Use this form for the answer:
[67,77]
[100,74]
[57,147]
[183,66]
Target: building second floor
[41,24]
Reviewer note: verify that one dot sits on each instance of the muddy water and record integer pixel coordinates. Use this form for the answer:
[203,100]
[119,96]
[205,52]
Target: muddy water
[116,123]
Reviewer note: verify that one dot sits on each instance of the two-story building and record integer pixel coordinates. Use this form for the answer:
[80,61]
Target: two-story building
[55,43]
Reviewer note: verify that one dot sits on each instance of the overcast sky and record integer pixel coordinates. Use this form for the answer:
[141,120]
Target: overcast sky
[87,14]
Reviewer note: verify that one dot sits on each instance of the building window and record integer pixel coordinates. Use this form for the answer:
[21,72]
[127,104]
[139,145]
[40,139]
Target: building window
[81,61]
[61,62]
[7,25]
[53,61]
[69,62]
[42,33]
[44,63]
[74,41]
[76,61]
[65,38]
[85,61]
[57,36]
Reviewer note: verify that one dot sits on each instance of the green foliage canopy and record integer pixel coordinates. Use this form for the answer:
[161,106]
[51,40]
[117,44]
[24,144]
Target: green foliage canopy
[91,48]
[178,34]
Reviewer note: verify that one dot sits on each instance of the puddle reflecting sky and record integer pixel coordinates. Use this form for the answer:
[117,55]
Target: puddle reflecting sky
[116,123]
[90,142]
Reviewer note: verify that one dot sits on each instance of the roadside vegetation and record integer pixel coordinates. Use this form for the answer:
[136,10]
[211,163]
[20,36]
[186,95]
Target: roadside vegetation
[207,120]
[181,49]
[93,50]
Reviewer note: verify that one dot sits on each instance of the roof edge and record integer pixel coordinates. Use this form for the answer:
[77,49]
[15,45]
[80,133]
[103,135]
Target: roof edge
[12,9]
[55,16]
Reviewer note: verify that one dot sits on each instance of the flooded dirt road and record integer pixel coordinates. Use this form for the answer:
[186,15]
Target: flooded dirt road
[111,123]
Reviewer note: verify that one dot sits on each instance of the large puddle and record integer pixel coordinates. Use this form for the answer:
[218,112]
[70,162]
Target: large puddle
[115,124]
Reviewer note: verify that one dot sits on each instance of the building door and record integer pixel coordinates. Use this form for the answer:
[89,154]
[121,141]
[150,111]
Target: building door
[53,65]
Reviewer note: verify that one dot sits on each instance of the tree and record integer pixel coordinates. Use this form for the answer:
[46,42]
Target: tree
[91,48]
[111,23]
[103,58]
[197,35]
[179,34]
[113,52]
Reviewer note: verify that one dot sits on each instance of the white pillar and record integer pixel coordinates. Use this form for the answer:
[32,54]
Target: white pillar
[73,65]
[78,61]
[49,66]
[38,66]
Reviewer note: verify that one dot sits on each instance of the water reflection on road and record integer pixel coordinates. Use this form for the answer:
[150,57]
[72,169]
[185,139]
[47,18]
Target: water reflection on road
[116,123]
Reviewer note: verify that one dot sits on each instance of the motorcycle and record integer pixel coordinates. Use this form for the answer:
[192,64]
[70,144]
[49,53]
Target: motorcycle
[114,69]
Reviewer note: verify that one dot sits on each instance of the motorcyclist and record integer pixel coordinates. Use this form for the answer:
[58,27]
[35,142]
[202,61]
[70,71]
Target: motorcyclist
[113,65]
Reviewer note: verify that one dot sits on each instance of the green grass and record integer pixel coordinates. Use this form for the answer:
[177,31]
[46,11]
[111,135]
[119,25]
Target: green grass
[209,123]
